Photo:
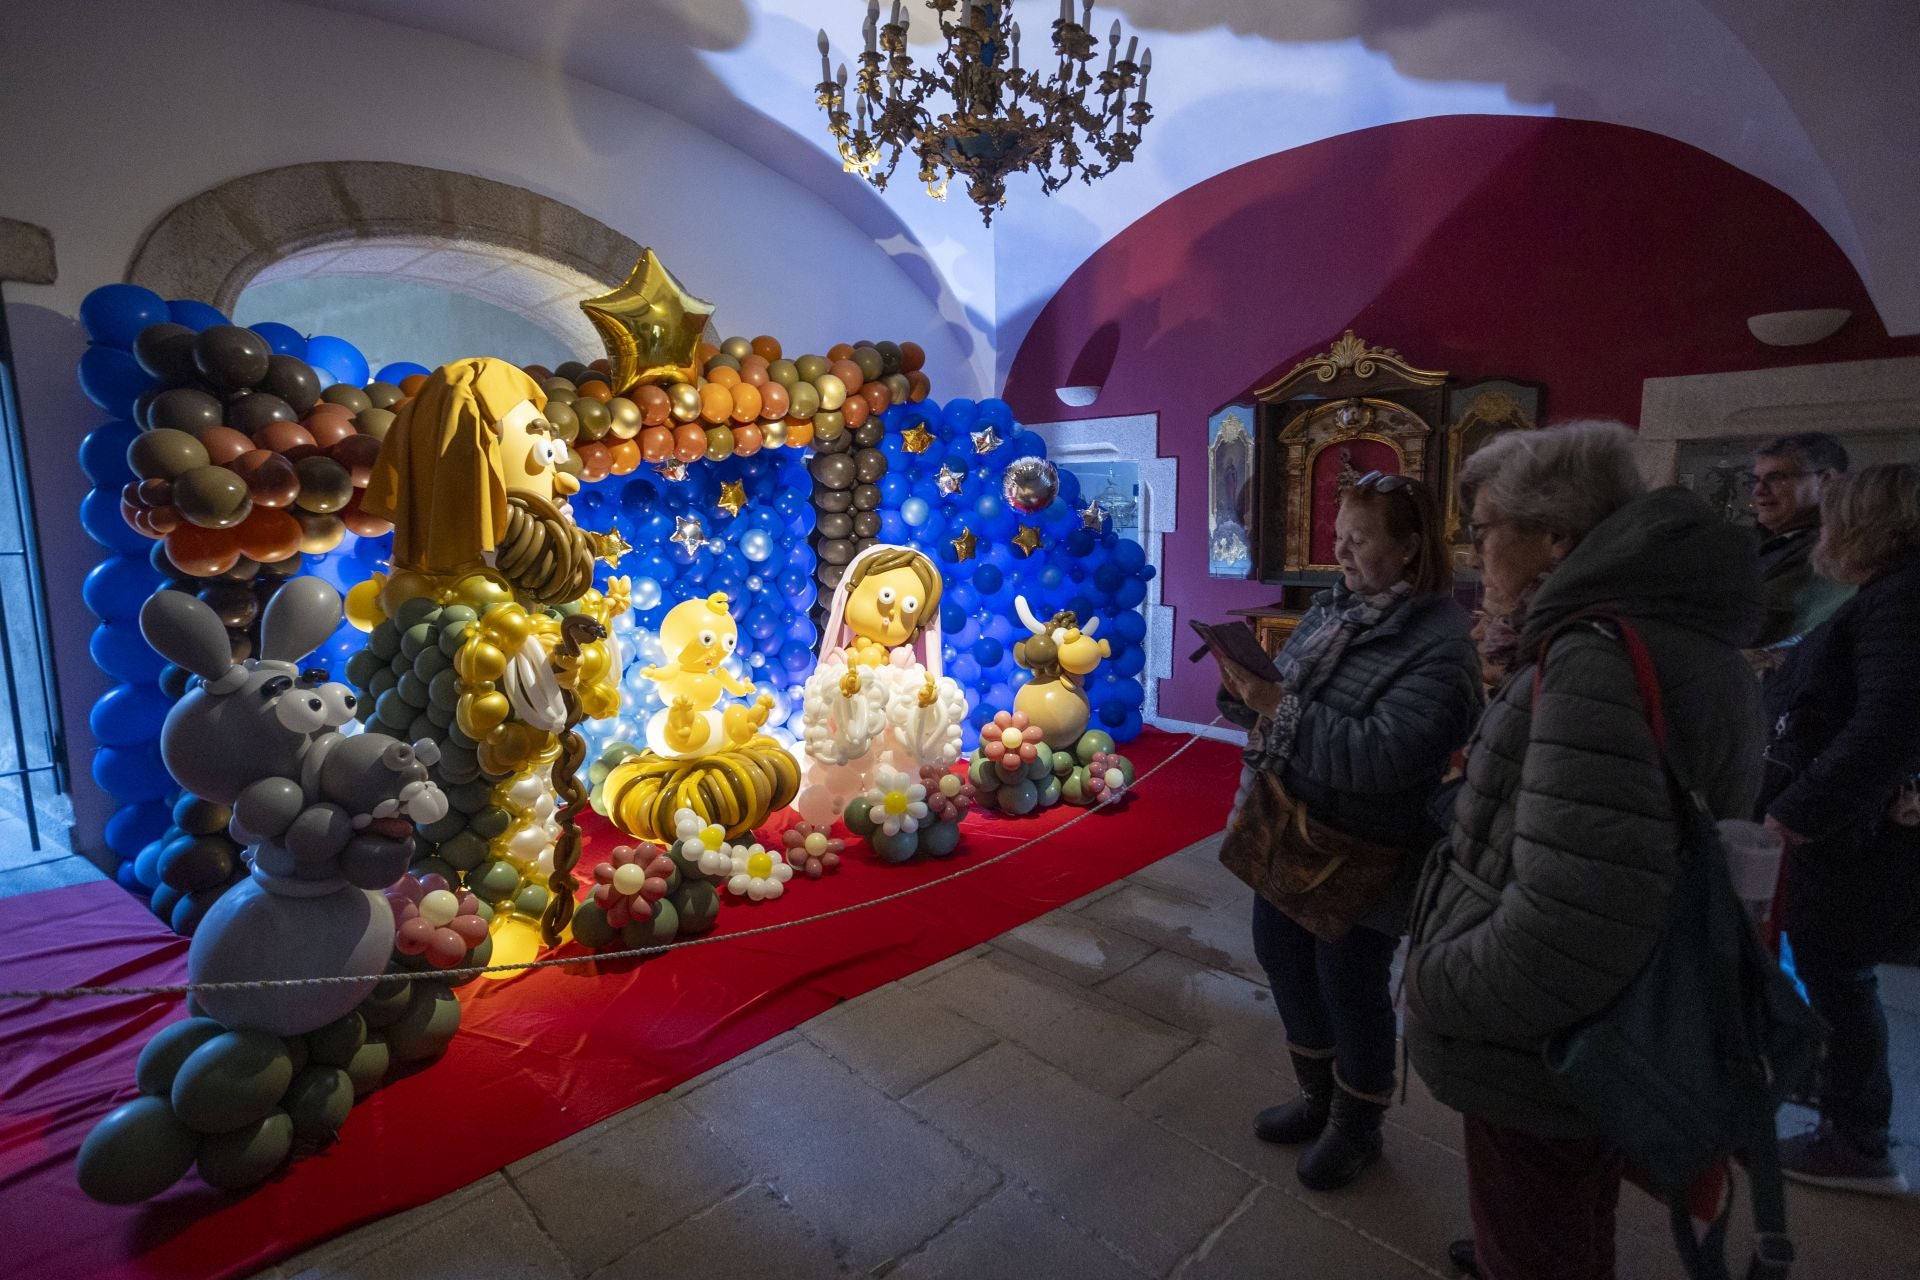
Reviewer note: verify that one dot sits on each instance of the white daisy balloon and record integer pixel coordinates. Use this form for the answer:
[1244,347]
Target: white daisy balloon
[703,842]
[898,803]
[758,873]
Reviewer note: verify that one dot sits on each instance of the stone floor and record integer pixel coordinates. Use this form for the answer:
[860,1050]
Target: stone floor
[1069,1100]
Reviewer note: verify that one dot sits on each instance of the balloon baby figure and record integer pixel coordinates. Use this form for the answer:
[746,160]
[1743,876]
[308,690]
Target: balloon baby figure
[713,761]
[878,698]
[467,644]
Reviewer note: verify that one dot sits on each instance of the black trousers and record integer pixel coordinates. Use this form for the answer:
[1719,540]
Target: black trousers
[1856,1087]
[1333,996]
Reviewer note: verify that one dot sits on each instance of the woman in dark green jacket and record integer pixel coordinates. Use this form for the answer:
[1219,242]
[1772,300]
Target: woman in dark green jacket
[1381,685]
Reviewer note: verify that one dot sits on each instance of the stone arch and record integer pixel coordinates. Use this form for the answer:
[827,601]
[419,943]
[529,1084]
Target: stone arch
[350,216]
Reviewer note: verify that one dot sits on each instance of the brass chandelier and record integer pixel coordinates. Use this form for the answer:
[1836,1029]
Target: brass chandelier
[978,113]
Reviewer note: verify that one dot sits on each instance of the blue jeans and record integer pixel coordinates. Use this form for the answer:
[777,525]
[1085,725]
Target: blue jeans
[1856,1086]
[1332,996]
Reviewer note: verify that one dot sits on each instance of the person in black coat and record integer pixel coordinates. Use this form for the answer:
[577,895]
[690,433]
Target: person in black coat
[1841,791]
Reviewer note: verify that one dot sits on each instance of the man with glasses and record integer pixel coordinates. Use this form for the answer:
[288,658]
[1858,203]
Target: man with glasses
[1788,475]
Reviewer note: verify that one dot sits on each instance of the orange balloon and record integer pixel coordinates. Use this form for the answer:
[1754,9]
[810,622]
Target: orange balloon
[746,402]
[270,479]
[855,410]
[269,535]
[799,432]
[877,396]
[602,364]
[596,461]
[654,404]
[357,453]
[724,376]
[597,390]
[918,386]
[747,439]
[289,439]
[774,402]
[359,522]
[625,457]
[223,444]
[753,369]
[716,402]
[911,358]
[839,351]
[411,384]
[329,429]
[767,348]
[848,372]
[705,352]
[203,553]
[689,442]
[656,443]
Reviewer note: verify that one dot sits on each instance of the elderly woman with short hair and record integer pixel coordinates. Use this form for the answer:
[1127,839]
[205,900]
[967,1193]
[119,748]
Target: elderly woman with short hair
[1843,790]
[1552,888]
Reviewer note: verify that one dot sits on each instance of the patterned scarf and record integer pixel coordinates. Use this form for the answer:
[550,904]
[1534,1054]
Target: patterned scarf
[1497,628]
[1309,659]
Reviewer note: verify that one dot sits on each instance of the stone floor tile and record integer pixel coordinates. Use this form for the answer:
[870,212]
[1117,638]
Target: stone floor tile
[661,1164]
[750,1234]
[933,971]
[491,1232]
[733,1064]
[1222,1008]
[1216,937]
[1012,1236]
[1074,947]
[1195,875]
[1139,1189]
[897,1038]
[864,1172]
[1082,903]
[1100,1042]
[1277,1233]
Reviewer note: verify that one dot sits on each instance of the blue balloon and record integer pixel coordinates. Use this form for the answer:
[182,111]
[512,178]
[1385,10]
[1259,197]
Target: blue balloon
[996,413]
[892,527]
[1126,629]
[282,339]
[112,379]
[137,826]
[129,879]
[123,653]
[116,587]
[1130,661]
[965,669]
[114,314]
[1130,594]
[1129,555]
[988,579]
[103,454]
[338,359]
[128,714]
[401,369]
[100,517]
[988,651]
[894,489]
[132,774]
[1126,730]
[194,314]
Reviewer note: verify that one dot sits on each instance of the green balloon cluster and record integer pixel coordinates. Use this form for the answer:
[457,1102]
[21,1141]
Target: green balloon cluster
[935,839]
[1017,787]
[236,1104]
[691,907]
[406,673]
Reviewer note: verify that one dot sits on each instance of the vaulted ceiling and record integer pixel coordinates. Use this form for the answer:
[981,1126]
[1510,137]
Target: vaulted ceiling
[1821,98]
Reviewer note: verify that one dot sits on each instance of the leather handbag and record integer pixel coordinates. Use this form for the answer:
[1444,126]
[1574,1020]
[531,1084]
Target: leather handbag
[1322,879]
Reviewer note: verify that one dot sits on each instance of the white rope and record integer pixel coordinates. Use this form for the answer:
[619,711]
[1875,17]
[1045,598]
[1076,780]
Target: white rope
[429,975]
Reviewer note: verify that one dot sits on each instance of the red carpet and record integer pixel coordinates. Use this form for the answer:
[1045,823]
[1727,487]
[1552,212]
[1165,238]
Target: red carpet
[537,1058]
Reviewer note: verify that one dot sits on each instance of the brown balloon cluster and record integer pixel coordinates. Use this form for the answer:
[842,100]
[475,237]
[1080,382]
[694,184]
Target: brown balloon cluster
[749,397]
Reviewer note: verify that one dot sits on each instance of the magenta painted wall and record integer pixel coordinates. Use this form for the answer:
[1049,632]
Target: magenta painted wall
[1586,256]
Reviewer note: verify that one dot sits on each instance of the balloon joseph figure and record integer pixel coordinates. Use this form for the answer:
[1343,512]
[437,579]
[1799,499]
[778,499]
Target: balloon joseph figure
[466,643]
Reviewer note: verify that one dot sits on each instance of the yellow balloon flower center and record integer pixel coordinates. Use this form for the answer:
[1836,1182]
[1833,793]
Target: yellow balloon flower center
[760,866]
[817,843]
[1011,739]
[895,803]
[713,836]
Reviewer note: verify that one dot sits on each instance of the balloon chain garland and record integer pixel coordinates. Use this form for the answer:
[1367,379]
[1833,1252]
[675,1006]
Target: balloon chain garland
[576,631]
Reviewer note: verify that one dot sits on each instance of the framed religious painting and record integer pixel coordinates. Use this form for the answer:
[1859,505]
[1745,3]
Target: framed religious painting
[1230,492]
[1476,413]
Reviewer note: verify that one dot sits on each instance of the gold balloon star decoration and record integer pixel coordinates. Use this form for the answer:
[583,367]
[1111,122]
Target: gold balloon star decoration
[1093,516]
[1028,539]
[916,439]
[733,497]
[986,440]
[963,546]
[688,532]
[651,326]
[950,481]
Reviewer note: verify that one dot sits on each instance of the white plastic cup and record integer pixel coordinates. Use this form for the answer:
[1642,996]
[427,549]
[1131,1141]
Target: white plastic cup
[1753,860]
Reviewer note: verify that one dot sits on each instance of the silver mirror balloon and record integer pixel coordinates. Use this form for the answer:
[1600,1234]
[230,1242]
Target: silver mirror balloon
[1030,484]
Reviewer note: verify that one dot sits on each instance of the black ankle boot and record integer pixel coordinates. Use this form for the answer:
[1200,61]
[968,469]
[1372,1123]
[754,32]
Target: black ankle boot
[1292,1123]
[1461,1254]
[1350,1143]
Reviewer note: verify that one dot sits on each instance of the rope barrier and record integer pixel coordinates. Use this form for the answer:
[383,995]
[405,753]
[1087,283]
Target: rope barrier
[636,953]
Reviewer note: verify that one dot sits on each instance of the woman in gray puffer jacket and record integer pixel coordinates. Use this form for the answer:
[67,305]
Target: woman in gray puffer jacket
[1381,687]
[1552,889]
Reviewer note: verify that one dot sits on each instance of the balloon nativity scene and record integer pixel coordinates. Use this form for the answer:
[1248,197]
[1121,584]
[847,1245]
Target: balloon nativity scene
[380,638]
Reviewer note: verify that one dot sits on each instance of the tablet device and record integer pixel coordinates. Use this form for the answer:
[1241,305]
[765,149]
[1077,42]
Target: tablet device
[1236,642]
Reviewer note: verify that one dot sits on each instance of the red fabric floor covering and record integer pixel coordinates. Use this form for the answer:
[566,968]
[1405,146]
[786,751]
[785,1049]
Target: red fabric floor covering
[538,1057]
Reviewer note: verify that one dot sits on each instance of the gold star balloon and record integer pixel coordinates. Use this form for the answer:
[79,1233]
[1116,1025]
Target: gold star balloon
[964,545]
[651,326]
[733,496]
[916,439]
[1028,539]
[1093,516]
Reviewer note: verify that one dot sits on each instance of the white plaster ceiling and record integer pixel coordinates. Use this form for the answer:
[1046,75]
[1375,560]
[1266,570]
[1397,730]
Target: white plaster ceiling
[1821,98]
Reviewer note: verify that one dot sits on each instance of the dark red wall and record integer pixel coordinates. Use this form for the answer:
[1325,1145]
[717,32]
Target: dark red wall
[1586,256]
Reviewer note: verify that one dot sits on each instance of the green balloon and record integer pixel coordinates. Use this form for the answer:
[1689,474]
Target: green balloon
[940,839]
[737,347]
[211,497]
[237,1160]
[470,797]
[532,900]
[1063,764]
[165,453]
[496,881]
[665,925]
[784,372]
[439,717]
[1091,744]
[1049,791]
[858,819]
[298,1052]
[383,1008]
[431,662]
[383,682]
[894,848]
[361,667]
[590,927]
[369,1066]
[464,851]
[428,1025]
[384,641]
[412,613]
[137,1151]
[413,691]
[698,907]
[318,1102]
[803,400]
[1042,763]
[1018,798]
[1074,789]
[232,1080]
[435,866]
[335,1044]
[161,1060]
[453,635]
[983,773]
[416,639]
[811,367]
[868,360]
[490,822]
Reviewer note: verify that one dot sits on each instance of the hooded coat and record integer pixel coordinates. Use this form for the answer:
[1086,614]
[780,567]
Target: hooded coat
[1551,891]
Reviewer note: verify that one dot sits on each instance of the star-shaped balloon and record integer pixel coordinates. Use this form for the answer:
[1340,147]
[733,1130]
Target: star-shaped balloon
[687,531]
[651,326]
[1028,539]
[916,439]
[950,481]
[1093,516]
[964,545]
[609,546]
[986,440]
[672,469]
[733,496]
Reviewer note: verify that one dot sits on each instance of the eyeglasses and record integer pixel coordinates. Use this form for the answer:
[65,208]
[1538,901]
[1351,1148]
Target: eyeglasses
[1383,481]
[1770,479]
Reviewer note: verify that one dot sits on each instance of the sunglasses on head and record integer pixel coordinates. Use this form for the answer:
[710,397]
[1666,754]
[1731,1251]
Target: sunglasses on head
[1383,481]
